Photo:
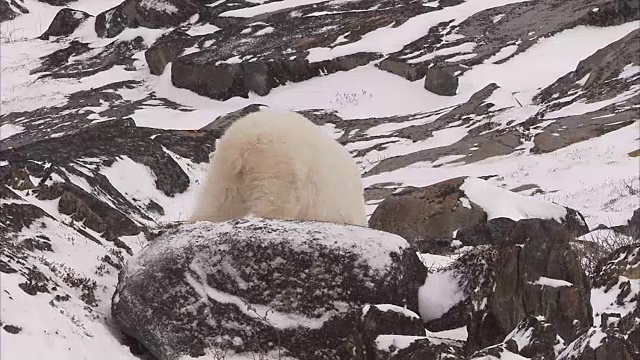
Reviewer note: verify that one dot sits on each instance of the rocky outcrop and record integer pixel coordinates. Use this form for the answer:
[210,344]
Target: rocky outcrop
[57,65]
[618,340]
[166,49]
[65,23]
[533,338]
[264,284]
[224,80]
[398,347]
[144,13]
[539,275]
[533,274]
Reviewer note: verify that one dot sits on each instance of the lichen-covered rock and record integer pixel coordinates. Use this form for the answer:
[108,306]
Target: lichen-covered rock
[255,285]
[65,23]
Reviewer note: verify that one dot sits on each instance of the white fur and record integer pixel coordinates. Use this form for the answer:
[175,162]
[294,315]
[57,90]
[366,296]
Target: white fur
[280,165]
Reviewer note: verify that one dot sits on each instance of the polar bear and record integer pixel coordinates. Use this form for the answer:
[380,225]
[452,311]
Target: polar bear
[280,165]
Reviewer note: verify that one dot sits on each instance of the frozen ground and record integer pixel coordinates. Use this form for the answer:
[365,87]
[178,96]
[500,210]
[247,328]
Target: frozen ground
[593,176]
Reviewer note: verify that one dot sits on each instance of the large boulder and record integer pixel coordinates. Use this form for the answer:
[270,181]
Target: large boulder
[254,286]
[460,207]
[428,213]
[440,82]
[65,23]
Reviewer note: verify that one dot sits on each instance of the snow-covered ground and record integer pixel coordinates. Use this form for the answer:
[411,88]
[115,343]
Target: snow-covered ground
[592,176]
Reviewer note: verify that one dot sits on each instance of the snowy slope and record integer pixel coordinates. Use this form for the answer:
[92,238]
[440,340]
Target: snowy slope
[400,134]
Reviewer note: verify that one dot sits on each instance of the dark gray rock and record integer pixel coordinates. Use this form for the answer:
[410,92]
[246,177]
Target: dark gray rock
[6,12]
[440,81]
[264,284]
[619,340]
[613,276]
[633,224]
[65,23]
[153,15]
[493,232]
[539,275]
[408,71]
[223,81]
[423,348]
[533,338]
[386,319]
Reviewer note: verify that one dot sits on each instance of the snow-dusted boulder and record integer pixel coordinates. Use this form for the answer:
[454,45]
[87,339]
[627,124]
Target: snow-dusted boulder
[619,340]
[534,337]
[437,211]
[403,347]
[255,285]
[387,319]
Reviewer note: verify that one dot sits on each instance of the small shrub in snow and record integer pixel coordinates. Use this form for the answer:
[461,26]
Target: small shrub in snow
[599,244]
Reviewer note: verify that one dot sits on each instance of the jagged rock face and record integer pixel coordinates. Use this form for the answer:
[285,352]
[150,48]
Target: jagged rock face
[65,23]
[57,64]
[533,338]
[263,284]
[618,340]
[541,275]
[535,273]
[145,13]
[427,213]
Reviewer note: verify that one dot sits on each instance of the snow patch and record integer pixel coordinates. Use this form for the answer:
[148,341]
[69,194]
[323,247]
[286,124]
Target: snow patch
[438,295]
